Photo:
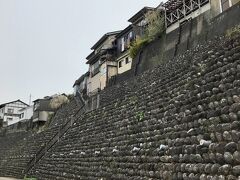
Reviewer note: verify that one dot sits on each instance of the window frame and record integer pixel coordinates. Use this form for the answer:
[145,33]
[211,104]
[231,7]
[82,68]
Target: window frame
[9,119]
[21,115]
[95,68]
[120,64]
[10,111]
[127,60]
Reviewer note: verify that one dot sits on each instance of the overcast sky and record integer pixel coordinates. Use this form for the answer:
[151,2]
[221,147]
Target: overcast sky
[44,43]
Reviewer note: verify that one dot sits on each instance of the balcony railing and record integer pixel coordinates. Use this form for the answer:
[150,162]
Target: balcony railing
[183,10]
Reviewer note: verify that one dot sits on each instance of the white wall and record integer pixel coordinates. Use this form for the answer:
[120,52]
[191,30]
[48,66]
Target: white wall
[125,67]
[12,121]
[12,117]
[43,116]
[27,113]
[94,83]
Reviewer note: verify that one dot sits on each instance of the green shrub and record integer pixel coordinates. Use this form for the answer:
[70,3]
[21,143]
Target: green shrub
[29,178]
[136,46]
[154,29]
[233,32]
[133,99]
[155,24]
[139,116]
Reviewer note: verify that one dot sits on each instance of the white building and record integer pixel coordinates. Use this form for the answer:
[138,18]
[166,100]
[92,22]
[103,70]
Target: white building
[9,112]
[26,113]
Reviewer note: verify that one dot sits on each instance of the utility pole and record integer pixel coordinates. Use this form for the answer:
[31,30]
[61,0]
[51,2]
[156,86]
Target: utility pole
[30,99]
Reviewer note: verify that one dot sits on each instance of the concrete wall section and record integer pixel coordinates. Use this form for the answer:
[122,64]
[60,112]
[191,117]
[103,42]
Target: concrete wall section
[190,34]
[94,83]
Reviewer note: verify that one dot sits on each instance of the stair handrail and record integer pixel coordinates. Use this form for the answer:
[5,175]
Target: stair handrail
[52,141]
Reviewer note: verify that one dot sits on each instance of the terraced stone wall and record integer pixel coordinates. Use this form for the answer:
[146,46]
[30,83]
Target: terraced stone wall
[179,121]
[17,149]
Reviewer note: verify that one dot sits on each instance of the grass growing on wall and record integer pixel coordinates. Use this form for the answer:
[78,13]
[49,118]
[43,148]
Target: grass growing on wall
[138,44]
[155,25]
[154,29]
[233,32]
[29,178]
[139,116]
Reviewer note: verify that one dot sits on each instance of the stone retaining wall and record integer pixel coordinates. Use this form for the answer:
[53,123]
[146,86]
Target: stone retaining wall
[17,149]
[178,121]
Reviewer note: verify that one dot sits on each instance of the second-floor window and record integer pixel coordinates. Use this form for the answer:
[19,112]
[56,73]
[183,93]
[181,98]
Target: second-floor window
[95,68]
[21,115]
[120,64]
[126,41]
[122,44]
[10,111]
[127,60]
[9,119]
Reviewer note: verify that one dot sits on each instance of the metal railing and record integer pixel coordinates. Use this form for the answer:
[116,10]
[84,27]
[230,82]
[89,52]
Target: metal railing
[62,130]
[182,11]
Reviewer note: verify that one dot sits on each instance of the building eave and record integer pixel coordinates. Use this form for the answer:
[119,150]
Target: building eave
[3,105]
[127,29]
[140,14]
[103,38]
[79,80]
[92,59]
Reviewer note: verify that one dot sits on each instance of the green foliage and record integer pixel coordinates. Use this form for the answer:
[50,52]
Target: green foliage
[202,67]
[133,99]
[136,46]
[29,178]
[233,32]
[155,28]
[156,24]
[139,116]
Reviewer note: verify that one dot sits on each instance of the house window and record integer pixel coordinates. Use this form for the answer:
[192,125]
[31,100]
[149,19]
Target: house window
[95,68]
[36,105]
[225,4]
[120,64]
[122,44]
[10,111]
[21,115]
[9,119]
[131,37]
[126,60]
